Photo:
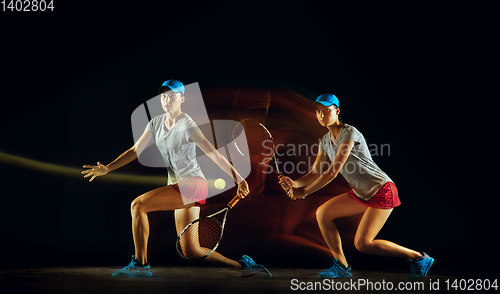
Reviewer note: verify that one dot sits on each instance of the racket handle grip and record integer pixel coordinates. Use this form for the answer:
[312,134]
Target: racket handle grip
[233,202]
[280,175]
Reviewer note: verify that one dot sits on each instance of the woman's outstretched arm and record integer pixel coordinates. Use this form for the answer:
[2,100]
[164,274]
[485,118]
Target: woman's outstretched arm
[131,154]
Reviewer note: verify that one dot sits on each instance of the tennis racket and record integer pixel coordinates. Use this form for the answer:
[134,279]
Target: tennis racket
[201,237]
[261,148]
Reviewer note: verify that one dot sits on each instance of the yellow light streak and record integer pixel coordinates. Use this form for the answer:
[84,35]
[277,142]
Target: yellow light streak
[61,170]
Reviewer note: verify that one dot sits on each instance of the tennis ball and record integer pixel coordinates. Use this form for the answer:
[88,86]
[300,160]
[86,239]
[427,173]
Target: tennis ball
[219,184]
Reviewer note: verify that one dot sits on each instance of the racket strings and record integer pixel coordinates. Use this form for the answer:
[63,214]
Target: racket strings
[260,142]
[200,238]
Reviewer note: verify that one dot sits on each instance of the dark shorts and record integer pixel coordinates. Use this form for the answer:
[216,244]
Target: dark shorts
[194,189]
[385,198]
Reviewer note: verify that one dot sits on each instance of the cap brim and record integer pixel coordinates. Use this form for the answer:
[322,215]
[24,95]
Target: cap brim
[176,90]
[325,103]
[315,104]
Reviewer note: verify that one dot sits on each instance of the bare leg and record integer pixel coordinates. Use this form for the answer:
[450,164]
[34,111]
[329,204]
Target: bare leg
[164,198]
[372,222]
[186,215]
[340,206]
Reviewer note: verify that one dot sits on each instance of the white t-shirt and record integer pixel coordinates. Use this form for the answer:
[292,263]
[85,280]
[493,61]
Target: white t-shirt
[176,147]
[360,171]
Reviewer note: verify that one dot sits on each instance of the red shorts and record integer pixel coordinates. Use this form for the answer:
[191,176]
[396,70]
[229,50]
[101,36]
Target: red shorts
[385,198]
[194,189]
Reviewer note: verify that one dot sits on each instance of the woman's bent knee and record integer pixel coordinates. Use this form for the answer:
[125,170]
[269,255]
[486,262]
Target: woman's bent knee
[320,213]
[325,213]
[340,206]
[362,245]
[135,206]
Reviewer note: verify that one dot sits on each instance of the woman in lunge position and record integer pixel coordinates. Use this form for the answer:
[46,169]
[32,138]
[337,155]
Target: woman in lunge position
[344,150]
[176,136]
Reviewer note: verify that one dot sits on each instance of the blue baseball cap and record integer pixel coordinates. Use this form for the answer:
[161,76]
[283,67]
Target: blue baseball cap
[174,85]
[327,100]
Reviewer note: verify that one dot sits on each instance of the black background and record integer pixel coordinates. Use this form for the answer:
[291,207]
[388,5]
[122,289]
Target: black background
[412,75]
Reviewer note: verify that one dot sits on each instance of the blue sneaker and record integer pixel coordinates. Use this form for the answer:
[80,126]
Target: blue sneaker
[134,269]
[338,270]
[420,267]
[249,264]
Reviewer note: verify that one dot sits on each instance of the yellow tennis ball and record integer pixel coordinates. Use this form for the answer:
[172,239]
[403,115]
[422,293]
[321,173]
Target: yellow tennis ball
[219,184]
